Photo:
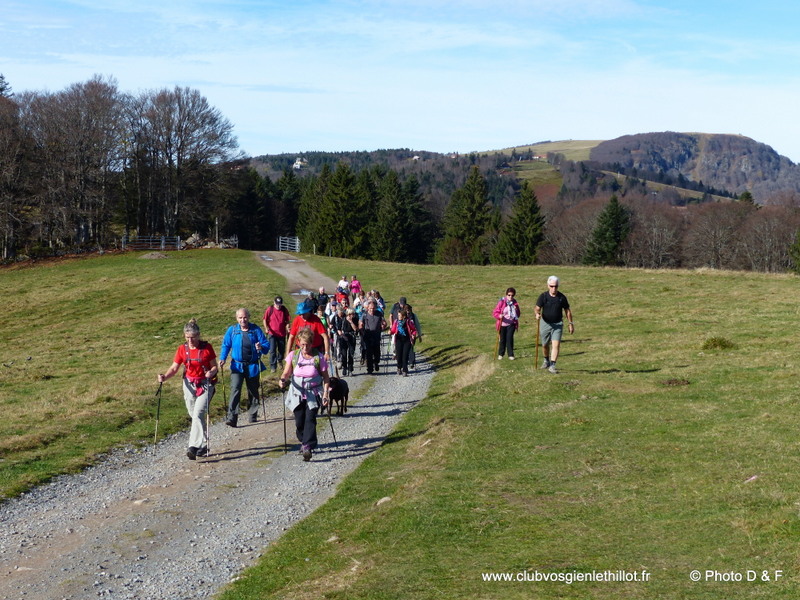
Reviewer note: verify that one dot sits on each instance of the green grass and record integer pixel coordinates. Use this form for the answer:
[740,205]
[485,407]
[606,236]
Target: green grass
[652,449]
[97,332]
[646,452]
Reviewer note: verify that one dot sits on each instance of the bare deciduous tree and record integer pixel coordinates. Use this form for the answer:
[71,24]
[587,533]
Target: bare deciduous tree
[766,236]
[711,238]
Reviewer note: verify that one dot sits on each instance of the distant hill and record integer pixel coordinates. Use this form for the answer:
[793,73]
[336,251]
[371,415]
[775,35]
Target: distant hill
[733,163]
[729,164]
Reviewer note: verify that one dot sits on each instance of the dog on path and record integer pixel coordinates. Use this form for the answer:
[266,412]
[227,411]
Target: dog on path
[340,394]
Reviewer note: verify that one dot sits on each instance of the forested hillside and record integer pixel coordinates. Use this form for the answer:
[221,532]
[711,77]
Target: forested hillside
[83,167]
[733,163]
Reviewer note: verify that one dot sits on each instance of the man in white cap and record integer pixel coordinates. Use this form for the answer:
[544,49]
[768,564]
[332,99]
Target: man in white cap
[550,308]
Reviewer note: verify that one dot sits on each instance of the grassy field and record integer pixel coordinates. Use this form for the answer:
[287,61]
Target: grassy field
[571,149]
[83,341]
[667,444]
[653,450]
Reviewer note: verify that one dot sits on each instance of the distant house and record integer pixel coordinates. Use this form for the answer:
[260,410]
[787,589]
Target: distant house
[299,164]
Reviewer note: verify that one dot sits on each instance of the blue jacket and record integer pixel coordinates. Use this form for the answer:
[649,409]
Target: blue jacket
[237,342]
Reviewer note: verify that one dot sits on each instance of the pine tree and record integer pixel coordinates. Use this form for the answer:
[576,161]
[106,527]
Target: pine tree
[390,226]
[5,87]
[465,222]
[611,231]
[522,236]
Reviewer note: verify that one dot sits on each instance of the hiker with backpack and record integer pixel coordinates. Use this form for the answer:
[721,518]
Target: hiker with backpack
[306,373]
[371,326]
[345,323]
[245,342]
[199,377]
[404,333]
[276,323]
[506,314]
[550,309]
[306,318]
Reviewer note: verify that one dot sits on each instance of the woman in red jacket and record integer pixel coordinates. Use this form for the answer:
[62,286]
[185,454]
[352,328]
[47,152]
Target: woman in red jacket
[199,376]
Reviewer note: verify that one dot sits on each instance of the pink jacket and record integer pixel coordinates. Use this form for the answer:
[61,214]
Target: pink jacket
[504,315]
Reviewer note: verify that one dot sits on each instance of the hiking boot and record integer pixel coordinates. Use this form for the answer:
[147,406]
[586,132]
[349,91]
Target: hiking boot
[306,452]
[231,422]
[254,418]
[546,363]
[499,357]
[510,358]
[552,368]
[192,453]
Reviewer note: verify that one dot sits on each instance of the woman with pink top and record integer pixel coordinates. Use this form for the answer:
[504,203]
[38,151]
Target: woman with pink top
[506,314]
[307,373]
[355,287]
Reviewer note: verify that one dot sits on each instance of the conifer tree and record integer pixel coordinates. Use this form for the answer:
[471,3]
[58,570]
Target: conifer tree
[522,236]
[390,226]
[465,222]
[611,231]
[5,87]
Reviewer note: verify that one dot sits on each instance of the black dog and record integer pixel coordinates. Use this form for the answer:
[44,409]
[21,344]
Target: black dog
[339,393]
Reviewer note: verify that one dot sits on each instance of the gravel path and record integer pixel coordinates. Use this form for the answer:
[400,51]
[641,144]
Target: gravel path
[151,524]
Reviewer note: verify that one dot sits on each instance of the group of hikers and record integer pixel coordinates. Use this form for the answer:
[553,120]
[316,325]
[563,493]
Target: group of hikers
[349,319]
[550,309]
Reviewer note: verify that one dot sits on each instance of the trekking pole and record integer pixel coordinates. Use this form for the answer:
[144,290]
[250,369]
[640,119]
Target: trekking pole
[261,394]
[208,419]
[158,414]
[496,343]
[283,409]
[330,421]
[536,360]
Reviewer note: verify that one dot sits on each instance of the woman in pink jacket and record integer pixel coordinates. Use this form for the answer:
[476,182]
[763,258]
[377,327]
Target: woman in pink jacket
[506,314]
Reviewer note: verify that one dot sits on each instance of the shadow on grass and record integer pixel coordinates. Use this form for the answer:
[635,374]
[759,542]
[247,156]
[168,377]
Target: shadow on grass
[446,357]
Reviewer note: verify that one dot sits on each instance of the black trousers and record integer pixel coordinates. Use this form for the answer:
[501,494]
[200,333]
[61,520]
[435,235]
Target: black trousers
[402,347]
[506,340]
[305,422]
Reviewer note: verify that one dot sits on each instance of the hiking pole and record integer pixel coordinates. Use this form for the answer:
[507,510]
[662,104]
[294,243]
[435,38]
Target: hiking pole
[209,385]
[330,421]
[261,394]
[536,360]
[158,414]
[283,409]
[496,344]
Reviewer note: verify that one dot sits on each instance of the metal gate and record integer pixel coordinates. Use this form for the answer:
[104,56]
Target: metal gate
[289,244]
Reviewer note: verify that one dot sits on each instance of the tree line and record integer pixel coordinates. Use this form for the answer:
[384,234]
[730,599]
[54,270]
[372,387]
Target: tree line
[81,167]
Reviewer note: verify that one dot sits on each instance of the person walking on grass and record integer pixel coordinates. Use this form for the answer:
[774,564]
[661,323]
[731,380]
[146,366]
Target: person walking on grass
[245,342]
[355,287]
[551,307]
[306,372]
[506,314]
[276,322]
[199,376]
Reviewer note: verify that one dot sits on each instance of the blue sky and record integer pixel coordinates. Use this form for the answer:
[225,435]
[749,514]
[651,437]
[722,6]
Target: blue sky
[438,75]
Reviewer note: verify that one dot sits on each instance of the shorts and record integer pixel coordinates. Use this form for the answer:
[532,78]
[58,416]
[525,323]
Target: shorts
[550,331]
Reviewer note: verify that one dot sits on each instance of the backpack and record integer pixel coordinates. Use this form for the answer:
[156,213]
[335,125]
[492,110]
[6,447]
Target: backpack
[200,347]
[296,359]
